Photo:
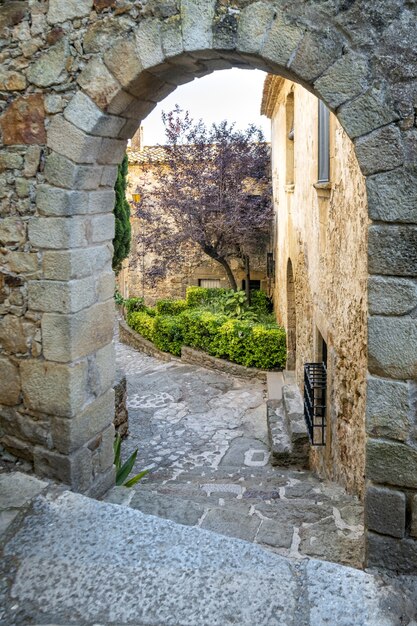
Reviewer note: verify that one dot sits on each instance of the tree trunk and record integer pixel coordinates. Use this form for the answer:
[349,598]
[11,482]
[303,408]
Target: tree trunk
[226,266]
[247,278]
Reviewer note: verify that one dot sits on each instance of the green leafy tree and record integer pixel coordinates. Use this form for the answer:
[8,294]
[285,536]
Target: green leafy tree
[121,241]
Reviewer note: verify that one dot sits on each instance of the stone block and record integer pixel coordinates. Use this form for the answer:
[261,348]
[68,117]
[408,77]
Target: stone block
[32,160]
[61,296]
[136,112]
[68,264]
[50,68]
[23,187]
[282,41]
[98,83]
[106,450]
[70,141]
[14,445]
[53,388]
[102,483]
[392,196]
[61,202]
[16,334]
[23,262]
[112,151]
[23,122]
[392,250]
[385,511]
[254,23]
[197,19]
[345,79]
[101,201]
[387,409]
[57,232]
[391,463]
[315,53]
[105,286]
[75,470]
[102,227]
[128,71]
[12,231]
[380,150]
[10,160]
[101,370]
[28,429]
[413,529]
[392,347]
[366,113]
[18,489]
[70,434]
[69,337]
[171,38]
[85,114]
[59,11]
[399,555]
[9,382]
[120,102]
[12,81]
[61,172]
[391,296]
[109,175]
[102,34]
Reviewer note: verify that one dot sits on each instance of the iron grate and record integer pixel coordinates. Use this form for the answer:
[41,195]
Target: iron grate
[315,379]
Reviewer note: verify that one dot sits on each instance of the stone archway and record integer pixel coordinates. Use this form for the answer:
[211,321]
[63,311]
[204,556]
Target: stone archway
[80,89]
[291,319]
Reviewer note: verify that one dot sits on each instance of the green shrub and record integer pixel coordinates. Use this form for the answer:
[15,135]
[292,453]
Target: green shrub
[168,334]
[171,307]
[197,296]
[134,304]
[261,303]
[142,323]
[242,341]
[201,328]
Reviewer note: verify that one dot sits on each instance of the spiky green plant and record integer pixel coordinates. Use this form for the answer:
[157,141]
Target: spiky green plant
[123,470]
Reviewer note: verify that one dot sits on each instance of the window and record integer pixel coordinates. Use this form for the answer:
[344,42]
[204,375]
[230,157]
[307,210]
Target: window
[323,143]
[289,124]
[254,285]
[209,283]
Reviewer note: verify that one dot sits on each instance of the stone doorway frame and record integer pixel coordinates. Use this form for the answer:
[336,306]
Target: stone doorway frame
[72,230]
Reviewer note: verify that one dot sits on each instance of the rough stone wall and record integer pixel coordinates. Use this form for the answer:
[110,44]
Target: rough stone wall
[322,229]
[76,78]
[132,282]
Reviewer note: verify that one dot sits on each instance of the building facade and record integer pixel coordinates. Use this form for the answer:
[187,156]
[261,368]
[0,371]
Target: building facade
[320,293]
[201,270]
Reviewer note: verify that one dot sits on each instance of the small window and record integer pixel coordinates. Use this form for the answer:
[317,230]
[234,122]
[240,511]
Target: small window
[254,285]
[289,145]
[323,144]
[209,283]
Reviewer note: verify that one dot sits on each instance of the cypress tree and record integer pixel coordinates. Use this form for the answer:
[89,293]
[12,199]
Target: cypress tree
[121,241]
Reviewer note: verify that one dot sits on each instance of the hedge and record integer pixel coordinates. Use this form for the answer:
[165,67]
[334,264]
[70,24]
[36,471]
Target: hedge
[244,342]
[171,307]
[197,296]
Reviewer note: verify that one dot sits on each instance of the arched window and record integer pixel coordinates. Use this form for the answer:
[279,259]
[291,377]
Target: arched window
[323,144]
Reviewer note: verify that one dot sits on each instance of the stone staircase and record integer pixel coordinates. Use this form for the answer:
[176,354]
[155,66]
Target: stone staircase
[287,431]
[68,559]
[288,511]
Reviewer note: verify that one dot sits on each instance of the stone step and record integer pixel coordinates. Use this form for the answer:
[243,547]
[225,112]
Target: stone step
[76,560]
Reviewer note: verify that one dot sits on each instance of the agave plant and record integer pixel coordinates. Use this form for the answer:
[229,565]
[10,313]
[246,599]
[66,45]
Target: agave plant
[123,470]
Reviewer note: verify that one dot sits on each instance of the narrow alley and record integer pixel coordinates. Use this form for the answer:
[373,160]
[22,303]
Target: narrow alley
[203,434]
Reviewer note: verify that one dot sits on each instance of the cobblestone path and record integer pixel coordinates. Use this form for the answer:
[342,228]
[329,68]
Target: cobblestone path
[203,434]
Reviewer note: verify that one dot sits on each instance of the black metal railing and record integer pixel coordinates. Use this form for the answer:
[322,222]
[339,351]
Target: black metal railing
[315,379]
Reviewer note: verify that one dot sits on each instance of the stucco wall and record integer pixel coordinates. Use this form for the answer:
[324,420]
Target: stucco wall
[322,229]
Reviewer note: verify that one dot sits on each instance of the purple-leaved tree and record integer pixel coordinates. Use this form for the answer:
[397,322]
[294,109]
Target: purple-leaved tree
[210,192]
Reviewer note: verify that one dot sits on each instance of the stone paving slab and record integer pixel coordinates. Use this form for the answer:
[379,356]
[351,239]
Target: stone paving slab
[204,436]
[77,561]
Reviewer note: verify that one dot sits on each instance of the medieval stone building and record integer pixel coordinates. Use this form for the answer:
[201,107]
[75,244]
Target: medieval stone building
[77,78]
[321,274]
[132,281]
